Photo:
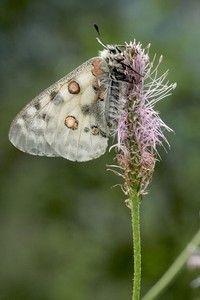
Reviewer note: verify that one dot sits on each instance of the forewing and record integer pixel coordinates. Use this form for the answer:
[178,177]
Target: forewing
[77,128]
[43,126]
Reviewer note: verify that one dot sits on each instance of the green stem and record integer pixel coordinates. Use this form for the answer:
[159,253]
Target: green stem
[135,214]
[174,269]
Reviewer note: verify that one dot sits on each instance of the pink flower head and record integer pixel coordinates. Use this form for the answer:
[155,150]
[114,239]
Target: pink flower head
[140,129]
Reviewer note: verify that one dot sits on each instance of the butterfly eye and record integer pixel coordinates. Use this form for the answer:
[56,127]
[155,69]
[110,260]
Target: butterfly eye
[113,50]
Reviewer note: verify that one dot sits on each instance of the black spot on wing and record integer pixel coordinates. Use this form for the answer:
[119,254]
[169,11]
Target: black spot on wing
[45,117]
[58,99]
[95,88]
[52,95]
[86,129]
[37,106]
[24,116]
[86,109]
[103,134]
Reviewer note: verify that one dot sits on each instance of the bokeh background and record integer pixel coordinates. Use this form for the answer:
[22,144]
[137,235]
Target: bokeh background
[65,233]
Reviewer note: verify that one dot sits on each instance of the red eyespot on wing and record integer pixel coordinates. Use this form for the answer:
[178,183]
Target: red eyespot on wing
[73,87]
[71,122]
[96,67]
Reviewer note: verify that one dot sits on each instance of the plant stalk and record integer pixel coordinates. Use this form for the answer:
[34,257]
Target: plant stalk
[174,269]
[135,216]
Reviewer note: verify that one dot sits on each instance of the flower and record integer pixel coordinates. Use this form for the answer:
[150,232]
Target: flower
[194,259]
[193,263]
[140,129]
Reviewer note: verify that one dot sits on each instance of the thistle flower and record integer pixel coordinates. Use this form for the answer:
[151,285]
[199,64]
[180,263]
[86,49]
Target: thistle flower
[140,129]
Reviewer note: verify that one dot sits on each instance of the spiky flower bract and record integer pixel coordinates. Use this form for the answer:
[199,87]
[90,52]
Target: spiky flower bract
[140,129]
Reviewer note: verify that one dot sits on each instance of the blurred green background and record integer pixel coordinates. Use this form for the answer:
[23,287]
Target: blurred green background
[64,232]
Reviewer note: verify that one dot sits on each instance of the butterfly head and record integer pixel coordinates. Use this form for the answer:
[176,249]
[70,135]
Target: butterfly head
[120,61]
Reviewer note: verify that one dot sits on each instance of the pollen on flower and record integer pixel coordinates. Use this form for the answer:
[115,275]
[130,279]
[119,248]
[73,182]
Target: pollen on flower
[140,129]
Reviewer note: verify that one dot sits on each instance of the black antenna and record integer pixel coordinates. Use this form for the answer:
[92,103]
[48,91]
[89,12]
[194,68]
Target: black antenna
[96,27]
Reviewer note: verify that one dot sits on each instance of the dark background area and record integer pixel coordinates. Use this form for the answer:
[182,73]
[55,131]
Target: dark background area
[65,233]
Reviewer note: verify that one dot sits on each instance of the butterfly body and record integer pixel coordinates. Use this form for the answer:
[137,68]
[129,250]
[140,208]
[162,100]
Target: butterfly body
[74,117]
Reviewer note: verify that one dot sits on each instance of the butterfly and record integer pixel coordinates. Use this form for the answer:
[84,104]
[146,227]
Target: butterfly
[75,116]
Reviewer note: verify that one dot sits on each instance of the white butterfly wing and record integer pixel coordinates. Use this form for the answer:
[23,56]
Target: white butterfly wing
[65,120]
[27,129]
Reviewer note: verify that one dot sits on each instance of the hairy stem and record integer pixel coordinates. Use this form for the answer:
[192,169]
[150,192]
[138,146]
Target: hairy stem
[174,269]
[135,214]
